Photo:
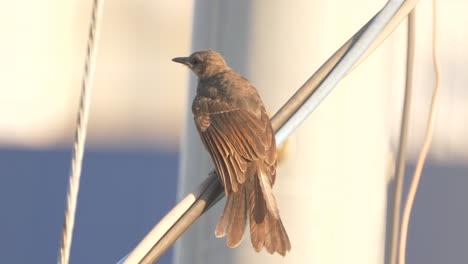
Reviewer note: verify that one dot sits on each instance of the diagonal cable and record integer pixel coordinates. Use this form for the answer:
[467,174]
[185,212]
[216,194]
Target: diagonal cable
[80,135]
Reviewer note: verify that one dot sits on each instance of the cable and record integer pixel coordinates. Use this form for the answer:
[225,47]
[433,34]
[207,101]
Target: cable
[425,148]
[168,222]
[401,155]
[80,135]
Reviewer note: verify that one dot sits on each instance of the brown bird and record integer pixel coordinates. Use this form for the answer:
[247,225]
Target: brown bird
[235,129]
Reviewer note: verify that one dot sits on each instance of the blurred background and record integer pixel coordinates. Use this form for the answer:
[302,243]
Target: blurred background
[136,120]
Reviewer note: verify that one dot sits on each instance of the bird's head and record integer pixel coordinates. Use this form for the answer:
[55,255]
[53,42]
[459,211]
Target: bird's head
[204,64]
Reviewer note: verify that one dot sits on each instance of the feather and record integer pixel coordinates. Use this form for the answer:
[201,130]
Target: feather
[267,191]
[238,218]
[243,148]
[256,217]
[223,223]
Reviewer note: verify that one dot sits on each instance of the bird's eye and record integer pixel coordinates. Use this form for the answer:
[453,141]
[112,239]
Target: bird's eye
[194,61]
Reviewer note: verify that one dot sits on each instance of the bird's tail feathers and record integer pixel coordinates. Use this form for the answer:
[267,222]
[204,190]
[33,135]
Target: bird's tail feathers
[233,219]
[266,227]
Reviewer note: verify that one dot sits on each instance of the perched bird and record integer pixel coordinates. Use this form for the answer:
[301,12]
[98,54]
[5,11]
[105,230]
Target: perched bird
[235,129]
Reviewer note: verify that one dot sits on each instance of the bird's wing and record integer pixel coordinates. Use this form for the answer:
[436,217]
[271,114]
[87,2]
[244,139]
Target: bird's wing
[234,137]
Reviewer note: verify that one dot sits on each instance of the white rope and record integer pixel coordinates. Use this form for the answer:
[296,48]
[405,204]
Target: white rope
[80,135]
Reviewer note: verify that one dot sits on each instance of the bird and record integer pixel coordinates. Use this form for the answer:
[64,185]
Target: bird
[236,131]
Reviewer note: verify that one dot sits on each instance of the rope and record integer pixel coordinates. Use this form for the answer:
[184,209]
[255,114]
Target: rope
[80,135]
[427,143]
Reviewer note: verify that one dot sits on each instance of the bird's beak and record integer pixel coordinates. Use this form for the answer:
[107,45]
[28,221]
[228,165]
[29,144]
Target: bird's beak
[183,60]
